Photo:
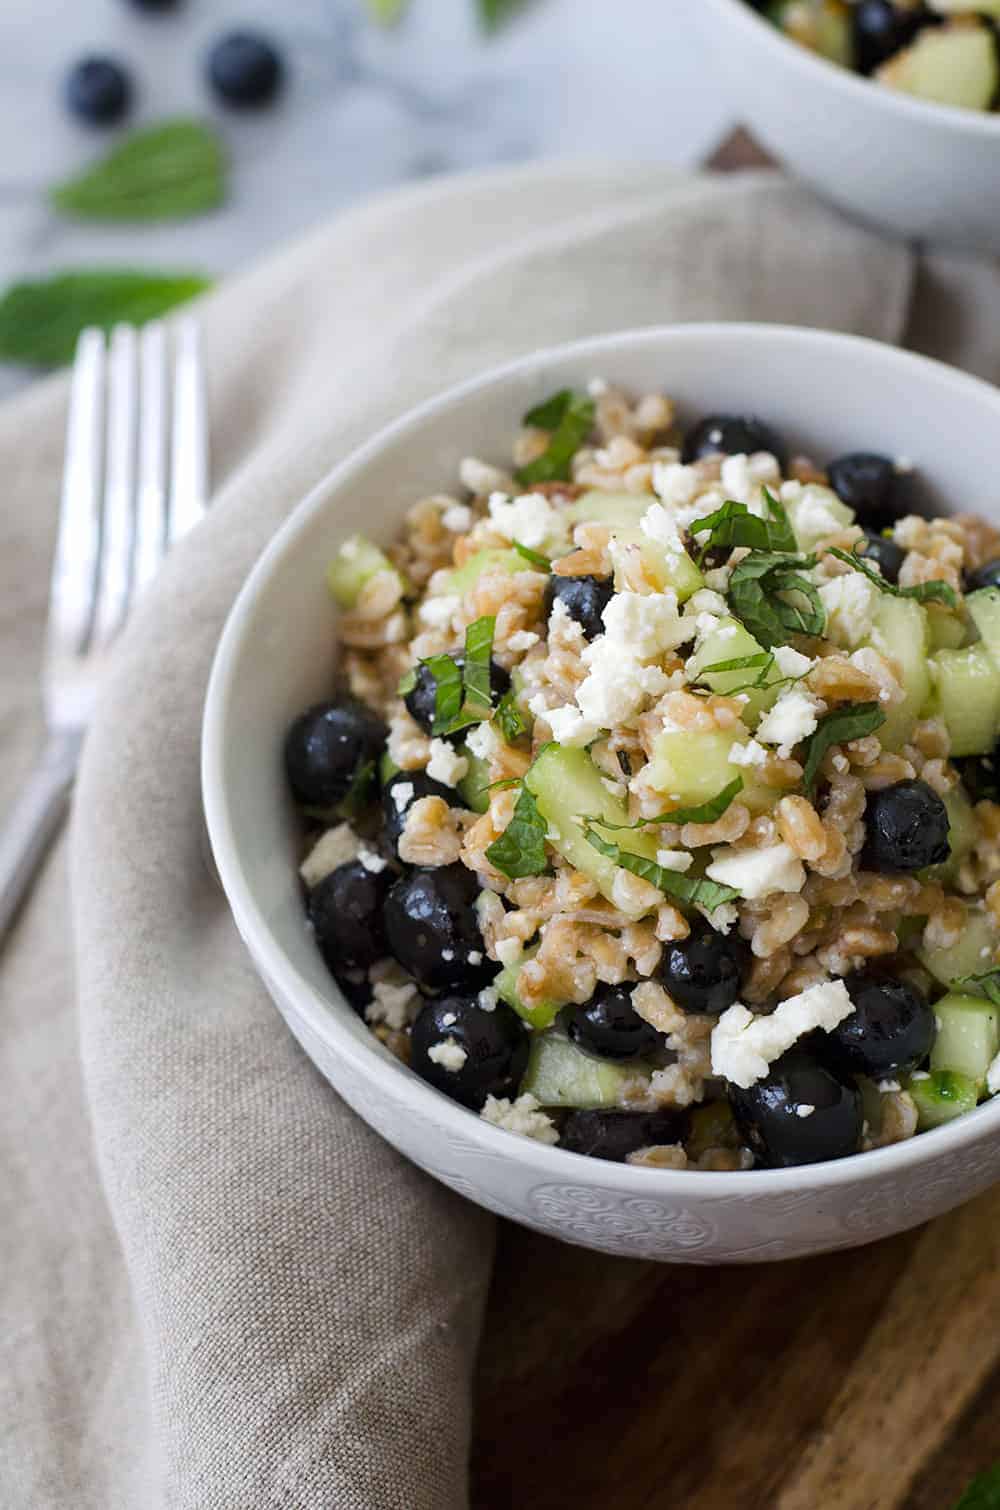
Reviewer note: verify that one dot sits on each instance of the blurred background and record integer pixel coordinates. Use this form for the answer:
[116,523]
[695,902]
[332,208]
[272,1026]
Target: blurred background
[362,105]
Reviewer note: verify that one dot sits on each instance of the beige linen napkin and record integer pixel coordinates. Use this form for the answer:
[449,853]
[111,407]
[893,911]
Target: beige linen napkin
[218,1289]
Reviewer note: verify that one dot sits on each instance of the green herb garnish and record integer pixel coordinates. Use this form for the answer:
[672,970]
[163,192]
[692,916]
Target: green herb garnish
[386,12]
[407,682]
[476,665]
[535,557]
[164,172]
[769,594]
[570,417]
[520,849]
[448,692]
[493,13]
[696,892]
[923,592]
[510,718]
[733,524]
[41,321]
[983,1493]
[359,792]
[987,984]
[838,727]
[708,812]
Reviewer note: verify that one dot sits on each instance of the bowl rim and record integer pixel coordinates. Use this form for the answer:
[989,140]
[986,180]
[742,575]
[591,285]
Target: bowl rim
[955,117]
[269,957]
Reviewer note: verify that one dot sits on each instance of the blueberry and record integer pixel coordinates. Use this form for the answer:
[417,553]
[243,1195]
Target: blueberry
[871,486]
[731,435]
[430,921]
[987,575]
[98,90]
[880,29]
[907,827]
[585,599]
[704,972]
[327,747]
[494,1041]
[802,1112]
[887,555]
[244,69]
[890,1031]
[345,910]
[980,775]
[154,4]
[609,1025]
[421,698]
[614,1135]
[406,788]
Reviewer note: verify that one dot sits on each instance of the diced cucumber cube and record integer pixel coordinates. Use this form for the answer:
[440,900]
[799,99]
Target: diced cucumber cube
[566,785]
[951,65]
[494,558]
[560,1074]
[691,767]
[963,830]
[984,610]
[357,560]
[968,1037]
[540,1016]
[948,631]
[473,786]
[824,26]
[663,567]
[970,955]
[598,507]
[731,642]
[945,1094]
[900,632]
[967,696]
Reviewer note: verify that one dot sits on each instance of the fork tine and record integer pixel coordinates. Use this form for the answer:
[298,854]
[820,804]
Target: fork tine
[117,535]
[74,569]
[189,438]
[151,518]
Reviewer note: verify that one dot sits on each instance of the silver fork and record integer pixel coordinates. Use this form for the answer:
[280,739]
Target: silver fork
[135,479]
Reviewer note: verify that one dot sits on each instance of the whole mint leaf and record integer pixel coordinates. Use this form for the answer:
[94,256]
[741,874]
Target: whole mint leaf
[166,172]
[40,321]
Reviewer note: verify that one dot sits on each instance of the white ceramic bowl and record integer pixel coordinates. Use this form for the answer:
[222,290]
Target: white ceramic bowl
[928,172]
[828,394]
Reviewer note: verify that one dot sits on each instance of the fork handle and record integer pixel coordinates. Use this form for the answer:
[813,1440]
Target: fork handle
[35,819]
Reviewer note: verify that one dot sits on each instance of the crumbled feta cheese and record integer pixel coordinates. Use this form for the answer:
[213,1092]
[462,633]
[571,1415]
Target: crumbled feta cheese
[457,518]
[804,1109]
[705,600]
[722,919]
[445,764]
[448,955]
[757,873]
[438,613]
[674,859]
[735,478]
[745,1045]
[402,794]
[992,1077]
[849,602]
[675,484]
[793,718]
[449,1054]
[522,1116]
[483,741]
[748,754]
[522,639]
[372,862]
[393,1004]
[791,662]
[815,515]
[487,999]
[335,847]
[529,519]
[482,477]
[889,1087]
[920,1075]
[597,387]
[656,524]
[474,957]
[509,951]
[568,725]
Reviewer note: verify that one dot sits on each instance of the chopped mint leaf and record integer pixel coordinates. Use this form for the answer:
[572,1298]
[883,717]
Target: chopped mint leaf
[407,681]
[773,600]
[709,812]
[987,984]
[359,792]
[520,849]
[690,889]
[476,667]
[733,524]
[853,721]
[983,1493]
[535,557]
[170,171]
[570,417]
[923,592]
[763,659]
[504,784]
[448,692]
[510,718]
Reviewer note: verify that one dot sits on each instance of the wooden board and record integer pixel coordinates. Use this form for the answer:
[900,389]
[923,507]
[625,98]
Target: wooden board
[866,1380]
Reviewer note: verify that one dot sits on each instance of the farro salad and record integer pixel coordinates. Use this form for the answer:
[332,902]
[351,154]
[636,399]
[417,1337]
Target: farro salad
[656,815]
[944,51]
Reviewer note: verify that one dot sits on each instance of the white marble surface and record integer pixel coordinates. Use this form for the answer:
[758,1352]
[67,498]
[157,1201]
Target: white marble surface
[364,109]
